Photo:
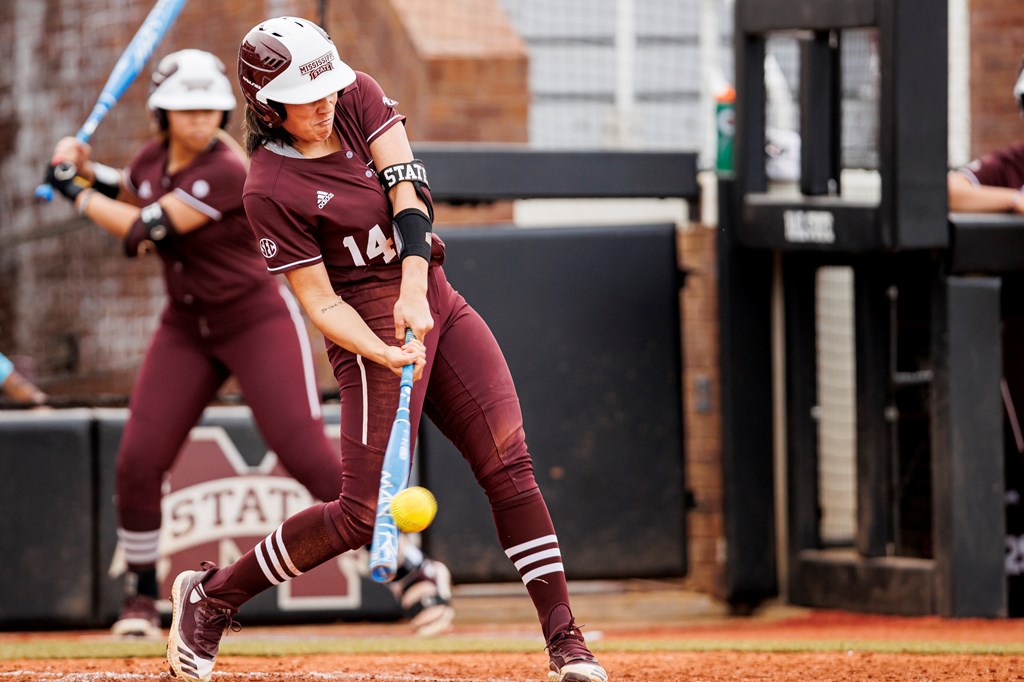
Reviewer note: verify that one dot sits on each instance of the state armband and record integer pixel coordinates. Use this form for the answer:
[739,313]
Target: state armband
[412,171]
[152,225]
[107,180]
[412,234]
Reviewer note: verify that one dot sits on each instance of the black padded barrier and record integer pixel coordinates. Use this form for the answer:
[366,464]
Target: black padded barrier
[986,243]
[46,502]
[489,172]
[969,528]
[987,249]
[588,319]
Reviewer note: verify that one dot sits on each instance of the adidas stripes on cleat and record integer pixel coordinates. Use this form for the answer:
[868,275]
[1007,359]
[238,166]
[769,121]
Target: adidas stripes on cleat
[198,622]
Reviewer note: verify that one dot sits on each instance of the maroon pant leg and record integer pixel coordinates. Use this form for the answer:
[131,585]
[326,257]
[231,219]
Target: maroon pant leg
[175,383]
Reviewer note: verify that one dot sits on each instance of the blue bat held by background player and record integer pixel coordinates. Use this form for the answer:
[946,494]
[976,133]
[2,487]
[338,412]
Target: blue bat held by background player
[127,68]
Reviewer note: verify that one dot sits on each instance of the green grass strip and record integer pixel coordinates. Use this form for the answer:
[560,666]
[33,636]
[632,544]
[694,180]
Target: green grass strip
[77,648]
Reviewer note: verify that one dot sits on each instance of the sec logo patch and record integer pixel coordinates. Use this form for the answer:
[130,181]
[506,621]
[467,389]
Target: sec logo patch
[268,248]
[200,188]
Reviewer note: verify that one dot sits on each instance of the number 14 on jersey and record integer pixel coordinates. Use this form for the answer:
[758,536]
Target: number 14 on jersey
[376,245]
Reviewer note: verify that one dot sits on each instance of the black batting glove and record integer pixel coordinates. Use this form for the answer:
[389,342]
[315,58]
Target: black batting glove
[64,178]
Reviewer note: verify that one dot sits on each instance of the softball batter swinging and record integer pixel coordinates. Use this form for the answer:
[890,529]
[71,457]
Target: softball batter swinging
[339,205]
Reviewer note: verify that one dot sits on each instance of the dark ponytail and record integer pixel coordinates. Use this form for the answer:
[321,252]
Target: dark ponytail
[256,133]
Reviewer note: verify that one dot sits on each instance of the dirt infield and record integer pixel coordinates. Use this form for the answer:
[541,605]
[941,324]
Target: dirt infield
[634,640]
[657,667]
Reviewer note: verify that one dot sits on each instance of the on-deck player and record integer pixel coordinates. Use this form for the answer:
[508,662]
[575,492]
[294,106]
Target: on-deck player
[181,196]
[341,208]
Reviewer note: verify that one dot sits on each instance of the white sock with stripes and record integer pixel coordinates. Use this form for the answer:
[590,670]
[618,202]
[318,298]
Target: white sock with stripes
[141,548]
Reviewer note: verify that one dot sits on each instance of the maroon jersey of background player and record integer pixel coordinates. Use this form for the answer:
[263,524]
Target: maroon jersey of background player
[216,269]
[1000,168]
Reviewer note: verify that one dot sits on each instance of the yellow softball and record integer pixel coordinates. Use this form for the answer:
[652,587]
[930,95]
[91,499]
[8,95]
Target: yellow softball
[413,508]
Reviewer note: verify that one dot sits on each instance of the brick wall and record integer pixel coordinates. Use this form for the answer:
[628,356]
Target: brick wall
[68,300]
[997,50]
[459,71]
[702,410]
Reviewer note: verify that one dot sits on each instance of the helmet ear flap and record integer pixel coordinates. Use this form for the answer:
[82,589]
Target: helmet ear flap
[279,109]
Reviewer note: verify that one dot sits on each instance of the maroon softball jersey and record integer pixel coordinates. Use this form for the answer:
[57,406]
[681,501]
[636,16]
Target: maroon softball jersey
[1002,168]
[333,208]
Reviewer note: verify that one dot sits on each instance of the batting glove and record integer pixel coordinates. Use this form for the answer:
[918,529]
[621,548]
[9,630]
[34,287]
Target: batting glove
[64,178]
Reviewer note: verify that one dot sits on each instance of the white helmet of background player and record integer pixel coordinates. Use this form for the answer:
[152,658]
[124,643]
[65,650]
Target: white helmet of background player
[1018,91]
[190,80]
[288,60]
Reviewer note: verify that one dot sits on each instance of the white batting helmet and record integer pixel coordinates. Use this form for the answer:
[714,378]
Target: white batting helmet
[190,80]
[291,61]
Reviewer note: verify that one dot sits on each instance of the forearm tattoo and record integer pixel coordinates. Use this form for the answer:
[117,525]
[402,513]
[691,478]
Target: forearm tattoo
[328,307]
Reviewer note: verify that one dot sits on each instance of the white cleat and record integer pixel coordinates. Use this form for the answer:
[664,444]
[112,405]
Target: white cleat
[198,622]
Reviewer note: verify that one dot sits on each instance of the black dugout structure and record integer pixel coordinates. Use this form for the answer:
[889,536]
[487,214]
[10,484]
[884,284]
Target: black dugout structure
[929,522]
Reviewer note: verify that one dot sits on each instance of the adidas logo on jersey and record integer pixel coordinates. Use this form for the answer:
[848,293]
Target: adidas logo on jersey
[322,198]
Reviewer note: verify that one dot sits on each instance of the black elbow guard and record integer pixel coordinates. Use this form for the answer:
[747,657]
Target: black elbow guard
[412,233]
[107,180]
[152,225]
